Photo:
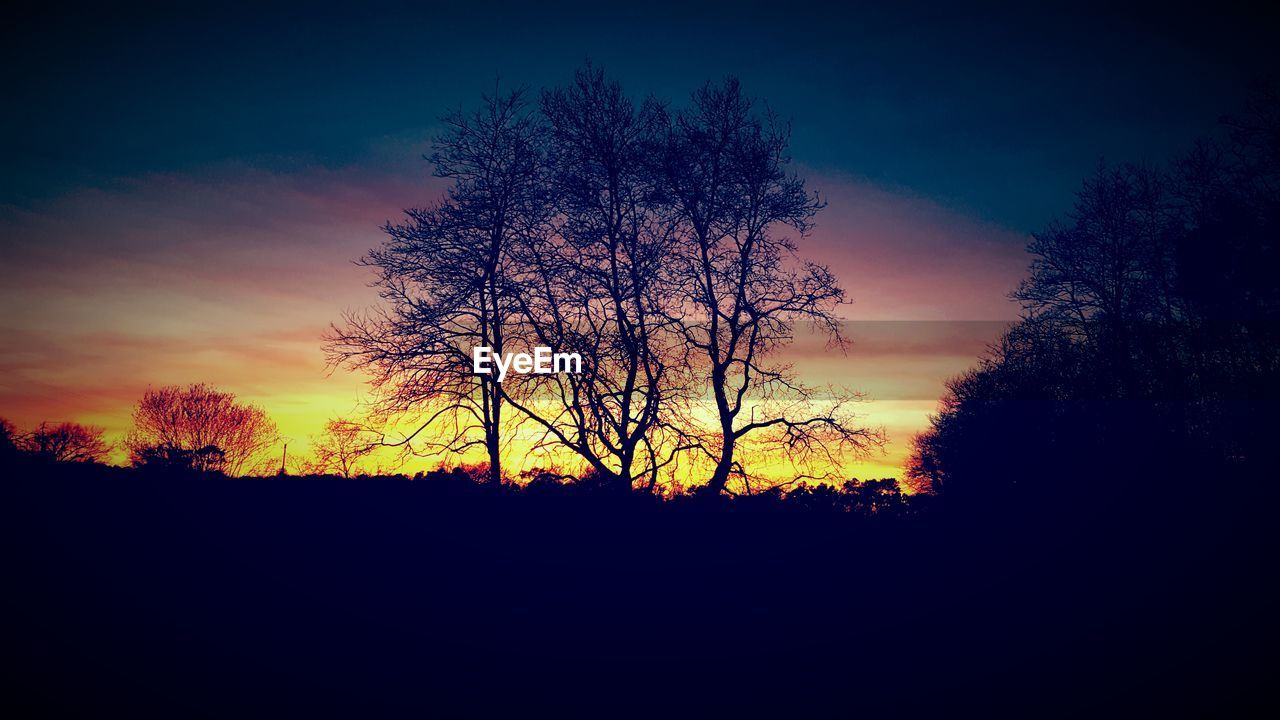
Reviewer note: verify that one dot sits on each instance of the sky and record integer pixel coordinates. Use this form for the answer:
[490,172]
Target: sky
[183,192]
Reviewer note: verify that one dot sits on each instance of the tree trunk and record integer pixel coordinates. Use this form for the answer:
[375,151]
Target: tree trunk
[720,478]
[495,464]
[492,439]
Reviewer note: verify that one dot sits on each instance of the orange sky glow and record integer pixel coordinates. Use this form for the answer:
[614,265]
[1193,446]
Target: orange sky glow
[231,275]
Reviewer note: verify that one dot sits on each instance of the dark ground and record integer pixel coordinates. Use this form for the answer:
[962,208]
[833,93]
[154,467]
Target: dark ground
[184,597]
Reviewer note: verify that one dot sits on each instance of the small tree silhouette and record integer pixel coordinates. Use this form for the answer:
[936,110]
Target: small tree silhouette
[342,446]
[8,438]
[199,427]
[66,442]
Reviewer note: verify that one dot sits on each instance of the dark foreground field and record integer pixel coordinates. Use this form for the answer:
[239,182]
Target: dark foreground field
[289,597]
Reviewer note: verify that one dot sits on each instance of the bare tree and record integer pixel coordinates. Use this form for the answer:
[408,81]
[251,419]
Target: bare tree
[444,276]
[66,442]
[198,426]
[1106,278]
[1255,140]
[342,446]
[1113,261]
[648,246]
[744,285]
[595,287]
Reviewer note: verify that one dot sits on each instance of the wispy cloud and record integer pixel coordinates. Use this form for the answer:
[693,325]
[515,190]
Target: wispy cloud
[230,276]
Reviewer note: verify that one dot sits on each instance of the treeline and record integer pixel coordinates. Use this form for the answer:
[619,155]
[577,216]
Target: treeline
[198,432]
[881,498]
[655,242]
[195,428]
[1149,348]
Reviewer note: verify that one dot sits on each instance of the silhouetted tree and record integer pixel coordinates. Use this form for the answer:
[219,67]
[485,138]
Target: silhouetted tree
[66,442]
[8,439]
[342,446]
[170,459]
[594,286]
[648,245]
[873,497]
[445,278]
[1149,335]
[200,427]
[743,285]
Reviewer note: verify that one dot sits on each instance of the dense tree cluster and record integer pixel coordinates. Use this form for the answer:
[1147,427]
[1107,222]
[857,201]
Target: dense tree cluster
[1150,337]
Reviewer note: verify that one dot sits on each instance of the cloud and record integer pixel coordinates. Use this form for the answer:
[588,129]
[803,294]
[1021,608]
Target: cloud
[230,276]
[903,257]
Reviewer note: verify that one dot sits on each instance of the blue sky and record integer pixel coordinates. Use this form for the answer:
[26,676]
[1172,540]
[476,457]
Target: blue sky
[994,111]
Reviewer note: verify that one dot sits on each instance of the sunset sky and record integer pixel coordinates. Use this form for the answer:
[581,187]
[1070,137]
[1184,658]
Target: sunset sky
[182,200]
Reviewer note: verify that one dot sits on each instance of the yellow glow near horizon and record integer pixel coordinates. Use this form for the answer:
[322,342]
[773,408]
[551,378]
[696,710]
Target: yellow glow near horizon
[231,278]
